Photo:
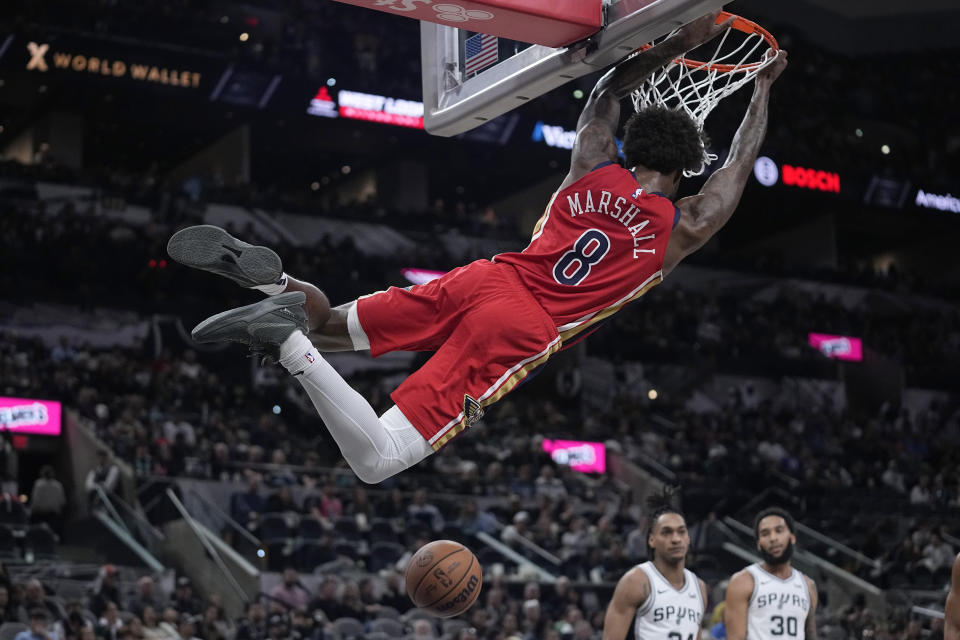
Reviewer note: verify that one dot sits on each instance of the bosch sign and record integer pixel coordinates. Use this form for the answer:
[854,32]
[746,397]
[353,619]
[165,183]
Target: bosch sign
[766,172]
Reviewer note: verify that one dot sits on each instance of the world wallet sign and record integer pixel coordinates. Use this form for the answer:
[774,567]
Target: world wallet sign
[92,60]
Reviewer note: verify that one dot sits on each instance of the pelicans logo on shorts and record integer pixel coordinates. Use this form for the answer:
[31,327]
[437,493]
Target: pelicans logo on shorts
[472,411]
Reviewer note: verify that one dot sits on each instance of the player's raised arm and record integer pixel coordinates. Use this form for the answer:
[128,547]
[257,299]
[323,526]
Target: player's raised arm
[704,214]
[600,118]
[632,591]
[738,599]
[951,611]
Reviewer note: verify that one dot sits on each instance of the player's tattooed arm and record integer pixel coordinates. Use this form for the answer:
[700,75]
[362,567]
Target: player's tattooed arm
[631,593]
[704,214]
[810,628]
[621,80]
[600,118]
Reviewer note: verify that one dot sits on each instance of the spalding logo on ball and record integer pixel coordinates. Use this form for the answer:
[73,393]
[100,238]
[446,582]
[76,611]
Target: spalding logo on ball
[444,578]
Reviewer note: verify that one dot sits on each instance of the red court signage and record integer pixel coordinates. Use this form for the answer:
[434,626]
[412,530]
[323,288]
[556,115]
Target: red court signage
[811,179]
[367,106]
[767,173]
[553,23]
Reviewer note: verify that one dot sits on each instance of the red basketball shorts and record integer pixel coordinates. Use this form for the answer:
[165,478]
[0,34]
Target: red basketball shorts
[488,333]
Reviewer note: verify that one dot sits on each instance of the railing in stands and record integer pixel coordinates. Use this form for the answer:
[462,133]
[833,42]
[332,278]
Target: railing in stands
[110,518]
[230,522]
[541,573]
[208,547]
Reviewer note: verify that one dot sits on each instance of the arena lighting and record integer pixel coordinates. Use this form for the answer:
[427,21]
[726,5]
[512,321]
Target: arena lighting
[585,457]
[837,347]
[25,415]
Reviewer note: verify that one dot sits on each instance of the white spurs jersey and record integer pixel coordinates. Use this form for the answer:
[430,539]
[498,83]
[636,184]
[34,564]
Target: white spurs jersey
[670,613]
[778,607]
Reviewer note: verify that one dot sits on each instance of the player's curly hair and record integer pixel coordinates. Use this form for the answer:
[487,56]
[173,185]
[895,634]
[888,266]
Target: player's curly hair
[658,504]
[665,140]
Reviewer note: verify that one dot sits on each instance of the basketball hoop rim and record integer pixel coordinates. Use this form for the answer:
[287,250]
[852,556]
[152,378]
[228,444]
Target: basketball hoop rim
[744,26]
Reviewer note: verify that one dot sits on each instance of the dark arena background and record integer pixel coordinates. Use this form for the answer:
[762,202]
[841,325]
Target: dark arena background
[808,357]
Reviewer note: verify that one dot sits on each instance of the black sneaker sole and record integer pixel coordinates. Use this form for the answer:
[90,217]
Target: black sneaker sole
[232,325]
[212,249]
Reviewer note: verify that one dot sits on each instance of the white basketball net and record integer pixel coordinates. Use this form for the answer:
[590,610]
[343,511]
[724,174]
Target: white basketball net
[698,89]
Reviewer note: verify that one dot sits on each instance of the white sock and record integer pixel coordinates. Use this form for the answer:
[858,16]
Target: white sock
[375,448]
[276,288]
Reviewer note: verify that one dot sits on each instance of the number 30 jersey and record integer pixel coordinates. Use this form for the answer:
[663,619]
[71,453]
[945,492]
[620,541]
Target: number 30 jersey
[669,613]
[778,608]
[599,245]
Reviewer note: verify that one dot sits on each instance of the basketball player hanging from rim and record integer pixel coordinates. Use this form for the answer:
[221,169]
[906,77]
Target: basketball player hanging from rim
[608,235]
[665,598]
[771,600]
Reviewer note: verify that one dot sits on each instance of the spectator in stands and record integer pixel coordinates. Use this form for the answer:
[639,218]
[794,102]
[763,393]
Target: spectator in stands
[105,590]
[512,533]
[547,484]
[532,623]
[10,612]
[151,626]
[110,623]
[178,425]
[920,494]
[187,627]
[245,505]
[221,466]
[132,630]
[48,500]
[145,596]
[38,622]
[473,520]
[937,555]
[105,475]
[277,627]
[326,600]
[330,505]
[170,623]
[422,630]
[71,628]
[34,597]
[254,625]
[393,507]
[183,600]
[215,624]
[361,508]
[281,501]
[303,627]
[351,602]
[63,352]
[424,512]
[291,591]
[893,478]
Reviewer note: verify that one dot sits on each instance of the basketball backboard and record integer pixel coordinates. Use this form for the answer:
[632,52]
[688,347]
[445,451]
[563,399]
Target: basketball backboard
[456,101]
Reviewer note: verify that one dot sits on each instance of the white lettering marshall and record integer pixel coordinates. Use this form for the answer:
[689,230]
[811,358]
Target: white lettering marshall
[23,415]
[616,209]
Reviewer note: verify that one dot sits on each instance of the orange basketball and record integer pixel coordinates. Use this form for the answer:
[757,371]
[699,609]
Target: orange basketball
[444,578]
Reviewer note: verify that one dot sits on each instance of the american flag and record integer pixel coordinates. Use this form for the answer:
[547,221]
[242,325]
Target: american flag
[481,51]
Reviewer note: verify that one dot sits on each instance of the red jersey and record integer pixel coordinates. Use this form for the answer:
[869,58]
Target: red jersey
[599,245]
